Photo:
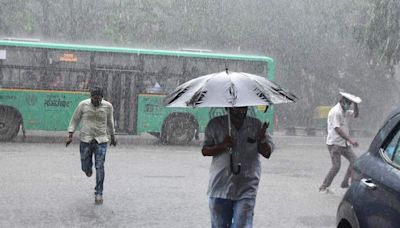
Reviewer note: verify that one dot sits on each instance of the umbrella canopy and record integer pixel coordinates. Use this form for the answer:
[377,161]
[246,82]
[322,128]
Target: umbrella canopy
[228,89]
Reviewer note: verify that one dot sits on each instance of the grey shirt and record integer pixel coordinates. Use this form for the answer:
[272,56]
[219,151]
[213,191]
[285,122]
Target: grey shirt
[97,122]
[223,183]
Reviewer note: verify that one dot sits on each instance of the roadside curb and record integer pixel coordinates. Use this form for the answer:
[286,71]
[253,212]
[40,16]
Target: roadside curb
[56,137]
[147,139]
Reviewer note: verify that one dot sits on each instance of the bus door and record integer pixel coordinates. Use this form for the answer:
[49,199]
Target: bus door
[118,86]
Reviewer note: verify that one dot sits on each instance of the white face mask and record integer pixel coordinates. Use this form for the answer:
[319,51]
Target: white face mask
[346,105]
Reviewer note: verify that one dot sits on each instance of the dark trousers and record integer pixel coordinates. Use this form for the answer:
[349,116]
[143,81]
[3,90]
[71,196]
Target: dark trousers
[99,150]
[336,152]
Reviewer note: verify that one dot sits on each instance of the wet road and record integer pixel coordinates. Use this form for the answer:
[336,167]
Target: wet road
[150,185]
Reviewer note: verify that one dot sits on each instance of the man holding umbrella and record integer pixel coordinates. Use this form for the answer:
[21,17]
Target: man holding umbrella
[233,193]
[338,140]
[235,168]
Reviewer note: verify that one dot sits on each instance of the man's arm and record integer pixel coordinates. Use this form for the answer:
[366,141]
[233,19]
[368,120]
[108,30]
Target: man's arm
[218,148]
[76,118]
[355,110]
[346,137]
[110,126]
[264,143]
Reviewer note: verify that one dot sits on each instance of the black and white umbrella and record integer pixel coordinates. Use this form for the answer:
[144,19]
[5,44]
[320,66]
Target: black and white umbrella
[228,89]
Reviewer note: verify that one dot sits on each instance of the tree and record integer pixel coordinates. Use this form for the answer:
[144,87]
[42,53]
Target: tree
[379,33]
[16,18]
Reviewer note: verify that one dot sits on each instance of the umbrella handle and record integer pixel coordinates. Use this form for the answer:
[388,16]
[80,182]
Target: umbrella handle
[235,171]
[229,123]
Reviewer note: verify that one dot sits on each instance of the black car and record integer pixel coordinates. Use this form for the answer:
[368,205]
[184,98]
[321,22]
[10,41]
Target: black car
[373,198]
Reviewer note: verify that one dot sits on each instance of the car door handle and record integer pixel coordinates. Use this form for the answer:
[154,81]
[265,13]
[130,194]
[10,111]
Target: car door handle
[367,182]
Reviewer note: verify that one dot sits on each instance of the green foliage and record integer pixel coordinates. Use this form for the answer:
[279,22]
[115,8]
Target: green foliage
[16,18]
[380,31]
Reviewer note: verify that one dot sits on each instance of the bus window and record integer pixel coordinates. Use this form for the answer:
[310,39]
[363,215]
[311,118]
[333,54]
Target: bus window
[152,84]
[199,67]
[258,68]
[163,65]
[81,82]
[10,77]
[28,79]
[24,57]
[117,60]
[57,81]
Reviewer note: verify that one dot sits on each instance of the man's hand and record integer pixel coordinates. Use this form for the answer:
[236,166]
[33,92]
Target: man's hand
[353,143]
[69,139]
[261,132]
[113,141]
[228,142]
[218,148]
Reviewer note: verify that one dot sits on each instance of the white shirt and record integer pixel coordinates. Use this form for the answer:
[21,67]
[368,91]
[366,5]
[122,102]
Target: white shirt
[97,122]
[337,117]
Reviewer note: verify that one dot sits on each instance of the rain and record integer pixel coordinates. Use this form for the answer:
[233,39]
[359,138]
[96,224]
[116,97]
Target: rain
[318,48]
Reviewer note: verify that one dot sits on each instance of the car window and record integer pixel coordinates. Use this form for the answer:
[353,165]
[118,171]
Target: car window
[396,158]
[392,150]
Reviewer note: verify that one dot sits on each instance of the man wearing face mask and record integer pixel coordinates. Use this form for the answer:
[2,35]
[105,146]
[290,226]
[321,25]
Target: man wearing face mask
[97,122]
[338,140]
[232,192]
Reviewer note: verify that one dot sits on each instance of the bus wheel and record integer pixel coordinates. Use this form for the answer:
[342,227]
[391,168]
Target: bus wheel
[178,128]
[10,121]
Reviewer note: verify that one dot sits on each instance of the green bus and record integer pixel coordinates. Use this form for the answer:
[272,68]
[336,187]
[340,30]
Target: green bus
[41,83]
